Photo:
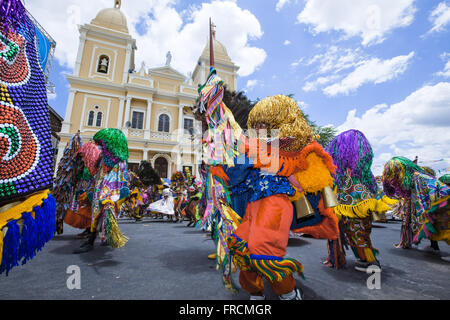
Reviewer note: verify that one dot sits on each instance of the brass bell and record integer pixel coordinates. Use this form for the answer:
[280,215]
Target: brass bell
[329,198]
[304,209]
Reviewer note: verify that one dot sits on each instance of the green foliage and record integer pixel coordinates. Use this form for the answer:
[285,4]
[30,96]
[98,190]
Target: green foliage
[326,133]
[239,105]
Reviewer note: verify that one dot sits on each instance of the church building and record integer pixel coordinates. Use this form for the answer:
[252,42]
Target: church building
[153,107]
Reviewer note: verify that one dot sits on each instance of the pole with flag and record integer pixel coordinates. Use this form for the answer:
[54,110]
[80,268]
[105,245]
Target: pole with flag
[211,44]
[220,147]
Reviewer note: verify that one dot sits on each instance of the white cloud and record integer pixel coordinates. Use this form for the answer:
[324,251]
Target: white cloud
[345,70]
[287,42]
[185,36]
[336,59]
[370,71]
[252,83]
[417,125]
[296,63]
[440,17]
[446,72]
[281,4]
[371,20]
[313,85]
[303,105]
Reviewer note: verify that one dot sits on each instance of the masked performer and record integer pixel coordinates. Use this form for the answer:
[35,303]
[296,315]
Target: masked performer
[106,160]
[179,190]
[27,210]
[72,185]
[357,189]
[150,180]
[133,205]
[426,207]
[257,244]
[191,211]
[64,187]
[298,170]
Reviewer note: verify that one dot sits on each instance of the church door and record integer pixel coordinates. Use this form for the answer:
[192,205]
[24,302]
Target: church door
[162,167]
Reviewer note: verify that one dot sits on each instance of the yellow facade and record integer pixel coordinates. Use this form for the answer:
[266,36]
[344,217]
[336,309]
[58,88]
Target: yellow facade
[150,106]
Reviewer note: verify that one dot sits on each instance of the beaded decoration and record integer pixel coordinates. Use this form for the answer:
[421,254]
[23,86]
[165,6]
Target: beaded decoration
[26,155]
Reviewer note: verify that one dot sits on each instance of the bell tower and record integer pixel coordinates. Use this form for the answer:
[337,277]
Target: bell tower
[104,59]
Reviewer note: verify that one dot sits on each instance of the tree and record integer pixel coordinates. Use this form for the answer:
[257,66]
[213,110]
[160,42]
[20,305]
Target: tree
[238,103]
[326,133]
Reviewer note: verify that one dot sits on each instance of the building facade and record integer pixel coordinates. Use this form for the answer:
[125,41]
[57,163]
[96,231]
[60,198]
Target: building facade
[56,126]
[153,107]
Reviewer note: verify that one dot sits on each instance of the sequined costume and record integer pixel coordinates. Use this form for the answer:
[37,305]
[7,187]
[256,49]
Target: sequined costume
[298,168]
[426,202]
[252,230]
[27,210]
[106,160]
[356,189]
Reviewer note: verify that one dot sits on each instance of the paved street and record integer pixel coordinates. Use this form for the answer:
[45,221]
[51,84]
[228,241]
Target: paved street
[169,261]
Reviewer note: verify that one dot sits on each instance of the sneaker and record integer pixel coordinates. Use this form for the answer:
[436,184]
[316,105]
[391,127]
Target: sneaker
[212,256]
[297,294]
[361,265]
[83,235]
[257,297]
[447,258]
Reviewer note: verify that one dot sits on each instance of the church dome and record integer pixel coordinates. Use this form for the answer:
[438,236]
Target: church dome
[220,52]
[112,18]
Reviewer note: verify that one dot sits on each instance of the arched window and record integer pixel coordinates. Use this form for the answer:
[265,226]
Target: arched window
[99,119]
[162,167]
[164,123]
[103,64]
[90,122]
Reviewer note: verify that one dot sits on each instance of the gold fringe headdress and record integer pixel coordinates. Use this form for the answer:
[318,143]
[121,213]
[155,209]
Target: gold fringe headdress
[282,113]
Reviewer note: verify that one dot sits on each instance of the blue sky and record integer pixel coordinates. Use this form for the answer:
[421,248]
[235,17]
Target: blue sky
[384,65]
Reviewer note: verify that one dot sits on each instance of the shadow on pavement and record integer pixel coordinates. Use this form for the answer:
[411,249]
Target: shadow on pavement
[65,237]
[415,254]
[296,242]
[188,260]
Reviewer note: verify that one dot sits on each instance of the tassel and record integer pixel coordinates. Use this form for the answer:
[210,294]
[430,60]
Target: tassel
[40,222]
[115,237]
[27,247]
[10,258]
